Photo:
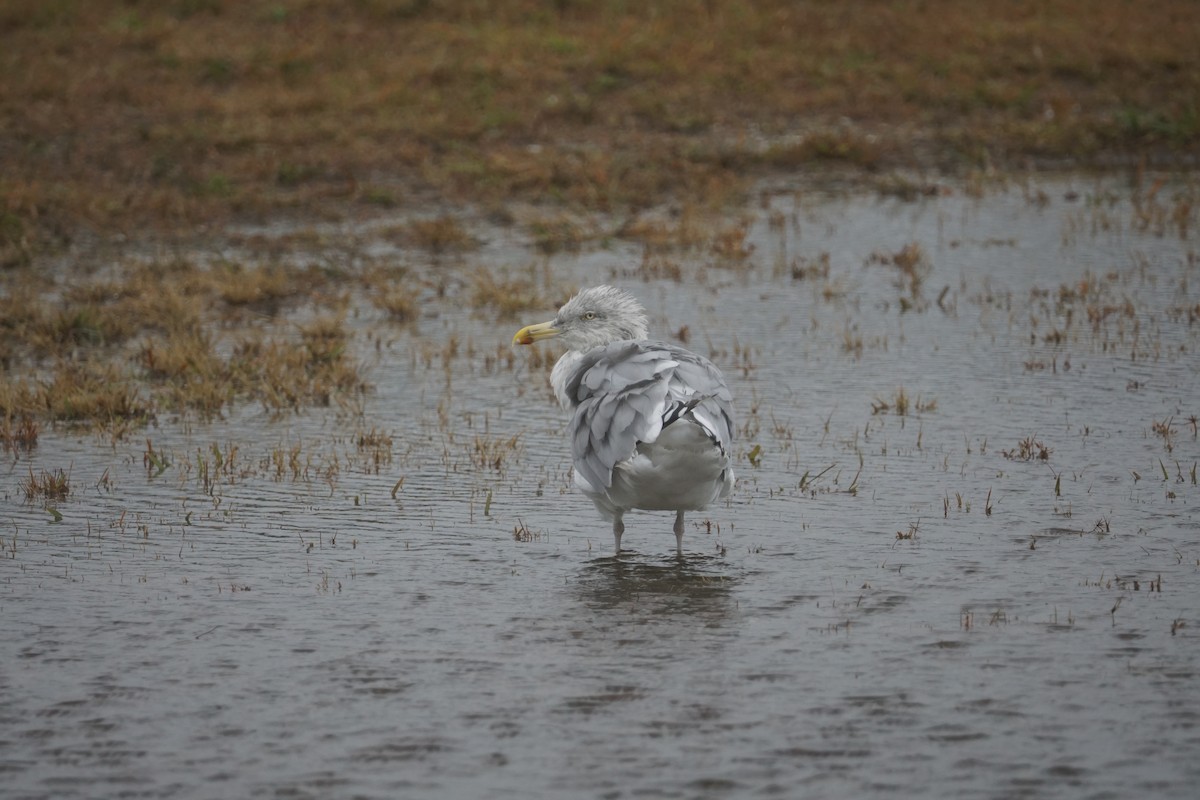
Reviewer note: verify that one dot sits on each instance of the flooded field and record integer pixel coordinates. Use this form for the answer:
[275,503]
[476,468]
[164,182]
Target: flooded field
[962,558]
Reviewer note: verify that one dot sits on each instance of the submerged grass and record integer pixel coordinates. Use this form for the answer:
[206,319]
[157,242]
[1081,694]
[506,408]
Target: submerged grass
[901,404]
[287,377]
[1028,449]
[111,352]
[75,393]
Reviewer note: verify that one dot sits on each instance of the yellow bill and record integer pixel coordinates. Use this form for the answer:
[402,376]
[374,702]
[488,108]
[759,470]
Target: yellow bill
[532,333]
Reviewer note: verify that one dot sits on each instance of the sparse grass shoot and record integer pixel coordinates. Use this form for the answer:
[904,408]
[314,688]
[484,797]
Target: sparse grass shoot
[1028,449]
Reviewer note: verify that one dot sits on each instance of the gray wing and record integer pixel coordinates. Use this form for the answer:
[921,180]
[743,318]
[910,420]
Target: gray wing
[628,391]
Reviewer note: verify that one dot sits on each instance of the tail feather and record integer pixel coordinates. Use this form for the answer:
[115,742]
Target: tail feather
[685,410]
[678,410]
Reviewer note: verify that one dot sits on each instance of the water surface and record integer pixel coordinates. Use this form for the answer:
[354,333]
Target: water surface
[888,604]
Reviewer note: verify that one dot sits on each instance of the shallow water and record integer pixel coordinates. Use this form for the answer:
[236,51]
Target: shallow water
[886,605]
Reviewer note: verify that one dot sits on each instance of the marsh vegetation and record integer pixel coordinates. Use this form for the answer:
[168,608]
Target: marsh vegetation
[127,117]
[275,473]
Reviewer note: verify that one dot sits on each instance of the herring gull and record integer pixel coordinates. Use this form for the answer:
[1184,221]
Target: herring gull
[651,423]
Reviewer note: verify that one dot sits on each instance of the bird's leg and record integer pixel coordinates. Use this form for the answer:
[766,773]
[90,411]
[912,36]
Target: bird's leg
[679,533]
[618,529]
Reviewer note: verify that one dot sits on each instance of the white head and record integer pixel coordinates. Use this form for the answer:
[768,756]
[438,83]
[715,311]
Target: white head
[592,318]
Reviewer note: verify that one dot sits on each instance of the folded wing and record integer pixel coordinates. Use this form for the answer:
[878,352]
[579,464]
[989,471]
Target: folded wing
[627,392]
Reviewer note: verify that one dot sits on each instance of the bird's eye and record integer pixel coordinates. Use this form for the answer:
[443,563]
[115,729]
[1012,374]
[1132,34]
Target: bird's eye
[589,315]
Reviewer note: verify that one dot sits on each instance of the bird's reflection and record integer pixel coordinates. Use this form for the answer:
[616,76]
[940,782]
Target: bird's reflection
[688,584]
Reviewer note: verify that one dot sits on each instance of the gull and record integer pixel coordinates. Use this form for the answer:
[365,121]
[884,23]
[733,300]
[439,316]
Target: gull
[651,423]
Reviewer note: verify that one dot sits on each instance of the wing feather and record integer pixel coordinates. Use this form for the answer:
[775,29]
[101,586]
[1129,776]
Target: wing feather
[623,394]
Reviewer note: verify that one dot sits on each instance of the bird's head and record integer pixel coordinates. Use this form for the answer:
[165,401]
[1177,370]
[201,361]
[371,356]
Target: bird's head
[592,318]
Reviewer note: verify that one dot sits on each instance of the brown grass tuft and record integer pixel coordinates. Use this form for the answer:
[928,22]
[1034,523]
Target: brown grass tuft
[47,486]
[508,297]
[21,434]
[438,235]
